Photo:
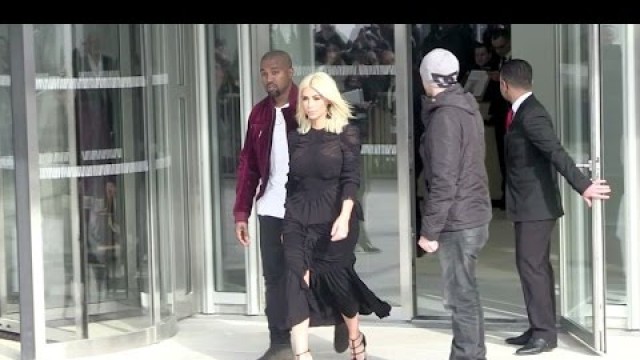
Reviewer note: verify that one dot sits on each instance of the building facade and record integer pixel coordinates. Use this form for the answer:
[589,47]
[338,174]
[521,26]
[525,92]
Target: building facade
[117,175]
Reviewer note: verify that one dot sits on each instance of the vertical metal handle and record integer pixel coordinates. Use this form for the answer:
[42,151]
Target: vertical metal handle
[586,165]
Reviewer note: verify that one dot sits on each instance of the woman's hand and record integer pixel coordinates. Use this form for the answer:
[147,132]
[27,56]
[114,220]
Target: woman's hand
[340,228]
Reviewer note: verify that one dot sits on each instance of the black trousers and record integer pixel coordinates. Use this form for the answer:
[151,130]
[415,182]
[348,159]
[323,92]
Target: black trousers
[533,244]
[273,270]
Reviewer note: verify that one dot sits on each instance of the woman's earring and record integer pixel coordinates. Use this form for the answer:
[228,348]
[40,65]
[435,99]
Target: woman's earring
[306,116]
[329,112]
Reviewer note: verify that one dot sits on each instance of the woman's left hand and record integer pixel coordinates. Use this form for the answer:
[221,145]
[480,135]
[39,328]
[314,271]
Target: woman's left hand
[340,229]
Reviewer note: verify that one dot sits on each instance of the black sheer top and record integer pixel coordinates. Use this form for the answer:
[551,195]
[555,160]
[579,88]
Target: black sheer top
[324,170]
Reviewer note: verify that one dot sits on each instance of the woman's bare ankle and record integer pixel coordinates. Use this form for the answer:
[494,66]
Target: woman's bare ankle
[304,356]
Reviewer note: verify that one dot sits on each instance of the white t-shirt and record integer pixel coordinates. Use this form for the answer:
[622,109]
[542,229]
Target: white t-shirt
[272,201]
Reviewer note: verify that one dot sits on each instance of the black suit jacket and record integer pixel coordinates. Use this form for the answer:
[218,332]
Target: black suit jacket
[533,156]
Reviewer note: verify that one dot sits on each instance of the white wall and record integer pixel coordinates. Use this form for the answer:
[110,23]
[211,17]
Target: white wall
[535,43]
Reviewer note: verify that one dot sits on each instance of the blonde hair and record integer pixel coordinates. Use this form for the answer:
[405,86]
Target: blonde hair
[326,86]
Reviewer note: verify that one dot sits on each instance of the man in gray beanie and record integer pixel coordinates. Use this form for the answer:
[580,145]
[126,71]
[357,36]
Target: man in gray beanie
[457,205]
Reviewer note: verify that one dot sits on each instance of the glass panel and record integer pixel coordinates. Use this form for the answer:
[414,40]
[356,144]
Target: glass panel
[163,205]
[574,97]
[226,137]
[9,286]
[613,157]
[93,172]
[361,59]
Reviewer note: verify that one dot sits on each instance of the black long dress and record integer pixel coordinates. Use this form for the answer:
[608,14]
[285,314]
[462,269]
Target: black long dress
[324,169]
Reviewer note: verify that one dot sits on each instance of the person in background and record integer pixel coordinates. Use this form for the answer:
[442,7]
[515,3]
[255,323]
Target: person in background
[486,60]
[457,205]
[484,57]
[499,107]
[321,222]
[227,95]
[263,166]
[533,156]
[325,37]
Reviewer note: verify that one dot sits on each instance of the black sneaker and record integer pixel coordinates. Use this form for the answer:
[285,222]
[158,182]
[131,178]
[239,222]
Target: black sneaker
[340,338]
[278,352]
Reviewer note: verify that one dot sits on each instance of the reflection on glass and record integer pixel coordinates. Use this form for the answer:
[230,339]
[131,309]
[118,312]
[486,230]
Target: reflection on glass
[294,39]
[163,204]
[576,139]
[226,145]
[613,157]
[9,286]
[93,178]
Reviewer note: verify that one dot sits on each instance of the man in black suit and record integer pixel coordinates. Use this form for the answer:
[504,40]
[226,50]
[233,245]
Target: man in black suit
[533,156]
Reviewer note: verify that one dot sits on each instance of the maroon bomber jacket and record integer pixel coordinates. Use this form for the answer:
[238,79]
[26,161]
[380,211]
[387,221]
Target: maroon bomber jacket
[253,166]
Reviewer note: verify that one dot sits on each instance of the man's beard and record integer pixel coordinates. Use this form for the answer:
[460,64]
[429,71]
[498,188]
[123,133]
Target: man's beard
[274,93]
[272,90]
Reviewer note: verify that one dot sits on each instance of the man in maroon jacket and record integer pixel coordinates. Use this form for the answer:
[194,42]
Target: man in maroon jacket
[264,165]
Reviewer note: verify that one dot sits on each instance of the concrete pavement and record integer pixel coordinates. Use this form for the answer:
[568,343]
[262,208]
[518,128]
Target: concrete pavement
[236,337]
[204,337]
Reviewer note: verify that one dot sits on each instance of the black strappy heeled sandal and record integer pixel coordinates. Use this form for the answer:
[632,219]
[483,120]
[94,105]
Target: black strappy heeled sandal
[363,343]
[302,353]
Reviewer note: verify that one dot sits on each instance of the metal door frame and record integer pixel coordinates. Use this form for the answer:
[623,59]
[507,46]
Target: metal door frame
[596,338]
[183,89]
[223,301]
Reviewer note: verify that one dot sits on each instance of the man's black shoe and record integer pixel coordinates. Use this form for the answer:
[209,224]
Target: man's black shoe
[521,339]
[278,352]
[340,338]
[536,346]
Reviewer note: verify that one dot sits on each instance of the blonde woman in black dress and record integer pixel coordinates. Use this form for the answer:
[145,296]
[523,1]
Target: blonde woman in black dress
[321,222]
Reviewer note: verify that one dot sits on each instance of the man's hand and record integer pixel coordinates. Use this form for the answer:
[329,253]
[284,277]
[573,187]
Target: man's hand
[599,189]
[242,233]
[428,245]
